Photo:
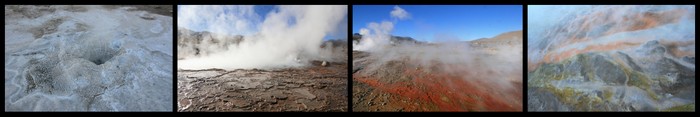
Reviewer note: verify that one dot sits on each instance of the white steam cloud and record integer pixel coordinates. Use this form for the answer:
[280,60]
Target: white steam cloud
[399,13]
[378,34]
[288,36]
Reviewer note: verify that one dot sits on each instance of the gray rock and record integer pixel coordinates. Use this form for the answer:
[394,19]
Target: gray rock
[689,59]
[267,86]
[271,101]
[305,93]
[241,103]
[293,85]
[279,95]
[607,71]
[543,100]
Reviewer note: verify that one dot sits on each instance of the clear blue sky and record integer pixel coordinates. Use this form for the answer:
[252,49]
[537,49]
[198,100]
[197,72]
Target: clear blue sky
[466,22]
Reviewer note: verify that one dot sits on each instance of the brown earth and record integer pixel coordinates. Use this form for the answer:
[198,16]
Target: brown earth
[314,88]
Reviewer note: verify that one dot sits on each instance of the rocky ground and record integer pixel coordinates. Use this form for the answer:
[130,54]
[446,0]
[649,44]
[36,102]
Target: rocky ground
[319,87]
[612,58]
[645,79]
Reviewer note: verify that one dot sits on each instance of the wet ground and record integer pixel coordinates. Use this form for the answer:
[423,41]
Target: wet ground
[87,58]
[313,88]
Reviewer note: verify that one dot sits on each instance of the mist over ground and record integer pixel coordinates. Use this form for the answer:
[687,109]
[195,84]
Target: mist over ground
[236,37]
[431,73]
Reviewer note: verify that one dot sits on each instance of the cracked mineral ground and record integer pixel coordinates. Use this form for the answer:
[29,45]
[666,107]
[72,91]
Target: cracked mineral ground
[88,58]
[314,88]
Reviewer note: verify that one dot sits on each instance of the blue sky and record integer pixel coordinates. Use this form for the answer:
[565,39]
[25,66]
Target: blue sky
[466,22]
